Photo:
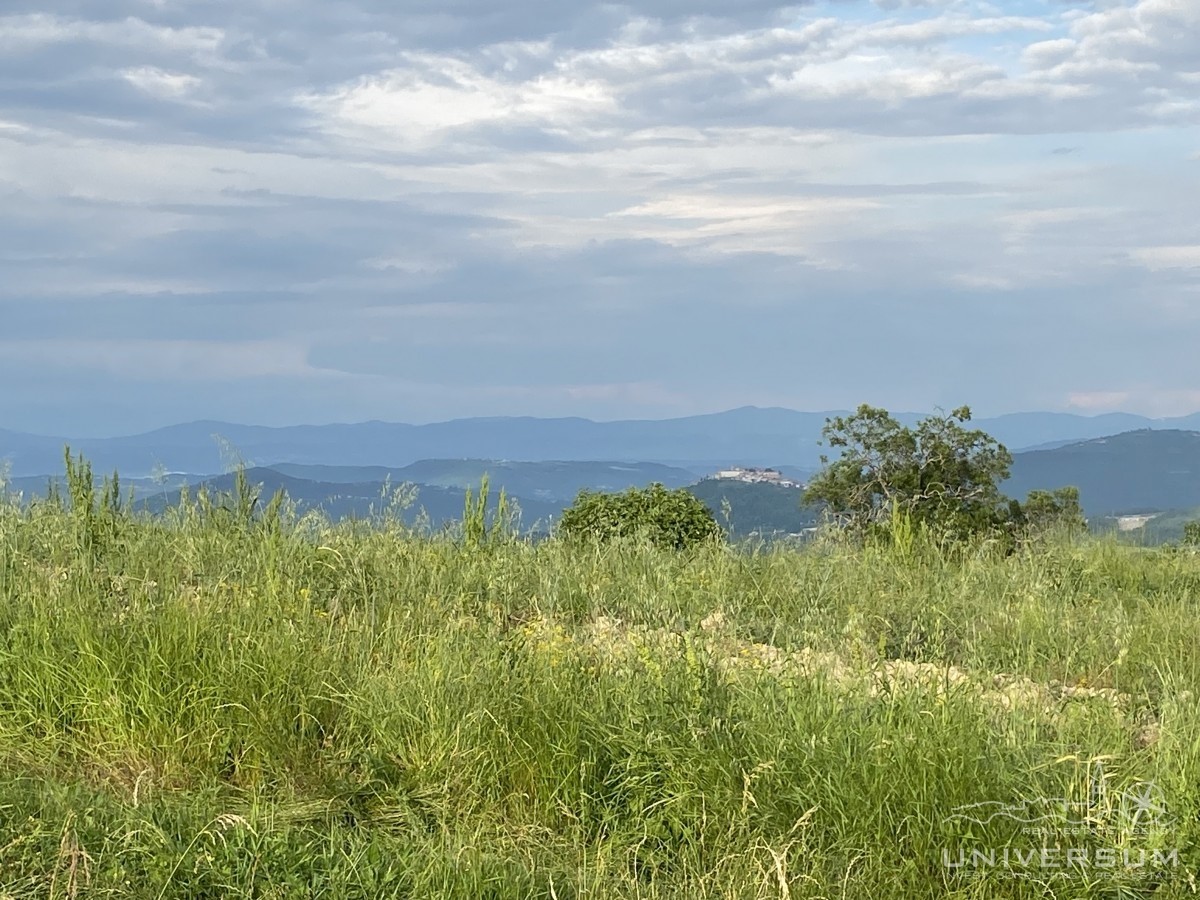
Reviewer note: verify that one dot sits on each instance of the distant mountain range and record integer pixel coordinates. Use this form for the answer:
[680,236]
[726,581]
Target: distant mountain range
[546,481]
[698,444]
[1133,472]
[744,509]
[1129,473]
[438,505]
[1143,471]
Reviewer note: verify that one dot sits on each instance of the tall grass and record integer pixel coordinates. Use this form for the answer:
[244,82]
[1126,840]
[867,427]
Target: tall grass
[224,702]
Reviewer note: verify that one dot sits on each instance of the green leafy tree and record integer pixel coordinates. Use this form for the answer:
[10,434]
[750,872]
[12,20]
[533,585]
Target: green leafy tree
[940,475]
[668,518]
[1044,512]
[1191,534]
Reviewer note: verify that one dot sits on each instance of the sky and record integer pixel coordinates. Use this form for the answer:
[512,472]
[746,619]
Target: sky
[298,211]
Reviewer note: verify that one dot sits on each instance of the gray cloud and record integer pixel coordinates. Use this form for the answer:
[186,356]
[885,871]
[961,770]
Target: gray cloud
[356,210]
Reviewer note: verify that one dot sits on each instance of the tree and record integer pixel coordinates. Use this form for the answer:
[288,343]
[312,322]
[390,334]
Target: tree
[940,475]
[668,518]
[1047,511]
[1191,534]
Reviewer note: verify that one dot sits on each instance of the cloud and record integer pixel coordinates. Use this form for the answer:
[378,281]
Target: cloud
[1154,402]
[1098,401]
[33,31]
[641,208]
[1178,257]
[418,105]
[164,360]
[159,83]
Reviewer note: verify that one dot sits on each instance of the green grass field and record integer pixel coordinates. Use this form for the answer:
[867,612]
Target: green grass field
[210,705]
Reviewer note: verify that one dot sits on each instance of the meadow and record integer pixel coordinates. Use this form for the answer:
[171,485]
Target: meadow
[222,702]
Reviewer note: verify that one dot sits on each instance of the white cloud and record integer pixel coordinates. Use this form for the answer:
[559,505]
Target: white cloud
[1048,54]
[159,83]
[1148,401]
[1099,401]
[738,223]
[1178,257]
[978,281]
[25,33]
[172,360]
[430,97]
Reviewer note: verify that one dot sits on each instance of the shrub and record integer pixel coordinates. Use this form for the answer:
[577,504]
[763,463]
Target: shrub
[667,518]
[1050,512]
[1191,534]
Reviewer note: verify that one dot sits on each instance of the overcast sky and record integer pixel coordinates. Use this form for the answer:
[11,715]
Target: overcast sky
[303,211]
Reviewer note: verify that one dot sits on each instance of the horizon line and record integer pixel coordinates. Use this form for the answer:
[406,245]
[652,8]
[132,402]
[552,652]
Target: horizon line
[520,417]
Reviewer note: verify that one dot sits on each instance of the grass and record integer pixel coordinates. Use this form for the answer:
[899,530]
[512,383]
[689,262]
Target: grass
[218,704]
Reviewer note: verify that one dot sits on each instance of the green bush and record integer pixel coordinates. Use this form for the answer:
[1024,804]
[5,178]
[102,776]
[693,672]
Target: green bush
[673,519]
[1191,534]
[1050,512]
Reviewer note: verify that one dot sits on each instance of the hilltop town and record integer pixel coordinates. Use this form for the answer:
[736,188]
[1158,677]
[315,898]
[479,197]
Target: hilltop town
[751,475]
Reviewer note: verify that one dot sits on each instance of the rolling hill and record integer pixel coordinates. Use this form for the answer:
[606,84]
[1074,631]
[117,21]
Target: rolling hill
[745,436]
[756,508]
[1143,470]
[550,481]
[762,509]
[1136,471]
[338,501]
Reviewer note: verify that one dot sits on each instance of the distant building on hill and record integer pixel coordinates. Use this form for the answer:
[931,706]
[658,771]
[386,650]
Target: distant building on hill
[755,476]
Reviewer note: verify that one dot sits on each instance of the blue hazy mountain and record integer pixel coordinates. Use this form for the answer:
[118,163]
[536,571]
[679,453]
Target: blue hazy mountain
[438,505]
[745,436]
[1140,471]
[545,480]
[1137,471]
